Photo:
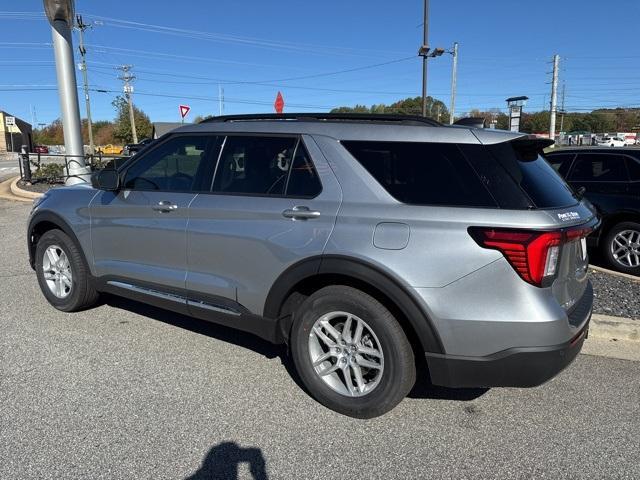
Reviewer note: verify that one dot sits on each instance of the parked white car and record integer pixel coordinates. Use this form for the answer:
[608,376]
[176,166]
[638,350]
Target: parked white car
[612,142]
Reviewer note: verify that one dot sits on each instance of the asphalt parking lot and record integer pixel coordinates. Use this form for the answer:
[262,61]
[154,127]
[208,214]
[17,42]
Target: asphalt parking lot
[127,391]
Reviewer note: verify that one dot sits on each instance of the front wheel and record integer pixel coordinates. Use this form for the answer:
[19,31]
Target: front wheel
[351,353]
[622,247]
[62,273]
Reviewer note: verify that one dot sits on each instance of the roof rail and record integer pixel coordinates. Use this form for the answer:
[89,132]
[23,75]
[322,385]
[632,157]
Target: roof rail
[345,117]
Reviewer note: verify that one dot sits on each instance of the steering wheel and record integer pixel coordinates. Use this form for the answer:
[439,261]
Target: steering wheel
[180,175]
[150,182]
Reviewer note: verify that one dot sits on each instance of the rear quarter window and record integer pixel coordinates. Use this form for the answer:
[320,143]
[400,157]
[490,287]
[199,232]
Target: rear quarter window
[421,173]
[524,163]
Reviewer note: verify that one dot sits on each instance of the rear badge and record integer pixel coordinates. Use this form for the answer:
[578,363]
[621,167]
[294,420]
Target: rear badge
[568,216]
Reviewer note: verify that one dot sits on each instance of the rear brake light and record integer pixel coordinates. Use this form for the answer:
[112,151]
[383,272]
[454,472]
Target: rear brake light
[534,255]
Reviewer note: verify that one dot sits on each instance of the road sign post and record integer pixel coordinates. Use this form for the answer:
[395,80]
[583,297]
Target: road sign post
[10,123]
[184,109]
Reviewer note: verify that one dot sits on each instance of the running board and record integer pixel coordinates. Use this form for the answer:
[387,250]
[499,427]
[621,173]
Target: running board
[174,298]
[265,328]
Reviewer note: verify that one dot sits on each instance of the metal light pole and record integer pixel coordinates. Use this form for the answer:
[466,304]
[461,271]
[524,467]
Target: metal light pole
[454,82]
[60,14]
[425,48]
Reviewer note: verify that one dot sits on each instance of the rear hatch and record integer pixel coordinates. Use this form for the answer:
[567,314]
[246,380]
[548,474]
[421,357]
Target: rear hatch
[554,255]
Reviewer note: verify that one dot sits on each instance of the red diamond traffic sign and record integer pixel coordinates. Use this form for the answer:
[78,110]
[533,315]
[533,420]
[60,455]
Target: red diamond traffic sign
[184,109]
[279,103]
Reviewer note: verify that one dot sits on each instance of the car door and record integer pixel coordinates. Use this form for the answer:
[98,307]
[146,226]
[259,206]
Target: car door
[604,177]
[274,202]
[139,232]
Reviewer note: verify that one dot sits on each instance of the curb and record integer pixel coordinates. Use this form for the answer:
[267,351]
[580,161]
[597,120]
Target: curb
[614,328]
[19,192]
[7,194]
[613,272]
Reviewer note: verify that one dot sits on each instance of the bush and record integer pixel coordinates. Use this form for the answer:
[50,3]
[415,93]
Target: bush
[49,172]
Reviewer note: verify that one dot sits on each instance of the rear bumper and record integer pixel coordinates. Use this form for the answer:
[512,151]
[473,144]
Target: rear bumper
[514,367]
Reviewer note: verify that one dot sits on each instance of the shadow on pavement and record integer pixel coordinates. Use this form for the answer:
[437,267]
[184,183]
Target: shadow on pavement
[223,459]
[423,388]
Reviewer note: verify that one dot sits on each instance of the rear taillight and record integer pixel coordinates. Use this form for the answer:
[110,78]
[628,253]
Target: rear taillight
[534,255]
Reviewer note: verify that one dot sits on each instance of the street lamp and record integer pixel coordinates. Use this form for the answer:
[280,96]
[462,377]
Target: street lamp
[425,52]
[60,14]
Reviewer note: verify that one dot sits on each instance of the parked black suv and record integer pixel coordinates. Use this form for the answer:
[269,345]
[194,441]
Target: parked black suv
[611,181]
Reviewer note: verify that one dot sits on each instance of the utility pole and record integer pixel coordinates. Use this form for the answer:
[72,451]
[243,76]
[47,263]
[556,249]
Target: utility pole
[127,77]
[562,111]
[554,97]
[220,100]
[425,44]
[454,82]
[60,15]
[81,26]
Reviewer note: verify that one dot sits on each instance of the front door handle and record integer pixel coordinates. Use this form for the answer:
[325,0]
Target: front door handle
[165,206]
[300,213]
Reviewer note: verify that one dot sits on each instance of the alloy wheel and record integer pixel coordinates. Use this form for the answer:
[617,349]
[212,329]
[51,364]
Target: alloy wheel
[346,354]
[56,269]
[625,248]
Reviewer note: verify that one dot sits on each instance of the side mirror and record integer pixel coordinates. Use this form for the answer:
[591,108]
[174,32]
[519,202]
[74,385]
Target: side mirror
[106,179]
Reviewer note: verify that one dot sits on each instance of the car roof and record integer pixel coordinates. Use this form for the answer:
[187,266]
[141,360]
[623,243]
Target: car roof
[364,127]
[628,150]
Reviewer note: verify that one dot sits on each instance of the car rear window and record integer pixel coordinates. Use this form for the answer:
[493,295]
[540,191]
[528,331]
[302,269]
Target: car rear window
[524,163]
[422,173]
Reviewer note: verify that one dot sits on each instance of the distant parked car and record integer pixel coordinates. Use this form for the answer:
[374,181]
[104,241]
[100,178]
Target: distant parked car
[133,148]
[611,142]
[110,150]
[40,149]
[611,179]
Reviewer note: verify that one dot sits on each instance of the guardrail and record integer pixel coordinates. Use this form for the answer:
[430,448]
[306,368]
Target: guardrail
[26,160]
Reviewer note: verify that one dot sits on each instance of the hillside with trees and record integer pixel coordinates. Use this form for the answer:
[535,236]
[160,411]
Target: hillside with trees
[117,131]
[597,121]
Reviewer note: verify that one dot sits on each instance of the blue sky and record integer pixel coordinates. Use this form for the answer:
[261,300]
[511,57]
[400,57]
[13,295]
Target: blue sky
[252,49]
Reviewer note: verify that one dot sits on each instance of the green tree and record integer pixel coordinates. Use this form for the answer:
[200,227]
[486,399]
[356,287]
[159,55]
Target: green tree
[122,126]
[408,106]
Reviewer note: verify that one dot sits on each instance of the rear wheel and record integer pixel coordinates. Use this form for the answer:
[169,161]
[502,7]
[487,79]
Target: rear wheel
[622,247]
[62,273]
[351,353]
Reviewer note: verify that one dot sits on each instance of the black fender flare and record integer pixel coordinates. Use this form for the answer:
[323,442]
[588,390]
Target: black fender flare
[55,219]
[391,287]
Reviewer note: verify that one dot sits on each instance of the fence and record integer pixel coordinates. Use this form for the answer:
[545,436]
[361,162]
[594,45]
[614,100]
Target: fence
[59,170]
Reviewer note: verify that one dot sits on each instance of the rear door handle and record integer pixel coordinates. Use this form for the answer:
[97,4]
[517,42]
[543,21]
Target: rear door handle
[165,206]
[300,213]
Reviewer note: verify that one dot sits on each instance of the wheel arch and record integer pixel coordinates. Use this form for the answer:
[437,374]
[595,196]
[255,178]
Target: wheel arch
[41,223]
[309,275]
[610,221]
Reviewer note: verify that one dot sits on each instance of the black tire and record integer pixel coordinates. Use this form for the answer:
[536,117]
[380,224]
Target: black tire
[399,373]
[82,294]
[609,242]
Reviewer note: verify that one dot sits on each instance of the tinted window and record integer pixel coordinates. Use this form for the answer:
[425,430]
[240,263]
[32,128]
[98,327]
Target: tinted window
[561,162]
[524,163]
[599,167]
[422,173]
[303,178]
[179,164]
[254,165]
[634,168]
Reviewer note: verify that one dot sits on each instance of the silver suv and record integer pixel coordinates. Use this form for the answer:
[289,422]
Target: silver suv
[368,244]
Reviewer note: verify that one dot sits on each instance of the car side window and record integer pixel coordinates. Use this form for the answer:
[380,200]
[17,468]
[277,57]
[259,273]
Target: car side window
[254,165]
[561,162]
[177,165]
[599,167]
[633,165]
[303,179]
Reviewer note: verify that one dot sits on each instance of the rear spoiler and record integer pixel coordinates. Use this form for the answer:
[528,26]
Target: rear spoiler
[474,122]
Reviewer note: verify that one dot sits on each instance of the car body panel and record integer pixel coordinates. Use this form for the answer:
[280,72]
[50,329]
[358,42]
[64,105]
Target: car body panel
[132,240]
[229,259]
